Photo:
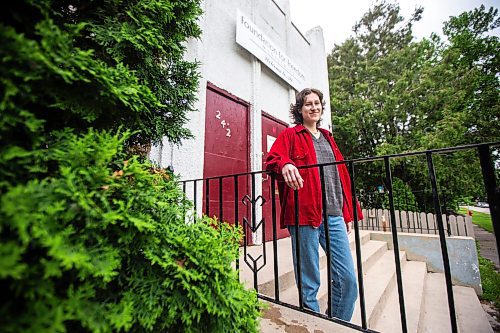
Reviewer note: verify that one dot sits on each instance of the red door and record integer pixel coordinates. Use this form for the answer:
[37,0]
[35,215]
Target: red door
[226,152]
[271,128]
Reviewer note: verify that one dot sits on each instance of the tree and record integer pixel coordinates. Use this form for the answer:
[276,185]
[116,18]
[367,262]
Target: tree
[373,83]
[102,246]
[469,70]
[390,94]
[367,75]
[93,238]
[93,64]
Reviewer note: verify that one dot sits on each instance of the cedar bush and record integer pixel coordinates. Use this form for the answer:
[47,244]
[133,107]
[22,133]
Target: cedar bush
[102,246]
[93,238]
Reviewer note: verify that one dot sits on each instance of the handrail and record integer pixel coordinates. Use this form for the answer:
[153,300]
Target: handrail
[250,224]
[362,159]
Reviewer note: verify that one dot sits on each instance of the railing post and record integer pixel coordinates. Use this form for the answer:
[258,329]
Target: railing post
[207,197]
[327,237]
[221,215]
[442,238]
[195,199]
[236,217]
[275,237]
[297,247]
[394,230]
[185,196]
[492,191]
[359,262]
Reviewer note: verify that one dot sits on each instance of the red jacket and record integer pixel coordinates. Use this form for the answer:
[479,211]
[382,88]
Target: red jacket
[294,145]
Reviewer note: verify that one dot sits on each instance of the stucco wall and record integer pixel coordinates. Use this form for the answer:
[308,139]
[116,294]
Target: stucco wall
[229,66]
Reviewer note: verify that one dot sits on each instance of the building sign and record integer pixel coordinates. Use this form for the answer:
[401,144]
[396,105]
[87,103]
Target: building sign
[251,38]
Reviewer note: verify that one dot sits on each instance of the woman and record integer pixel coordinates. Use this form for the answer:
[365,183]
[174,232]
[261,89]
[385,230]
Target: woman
[307,144]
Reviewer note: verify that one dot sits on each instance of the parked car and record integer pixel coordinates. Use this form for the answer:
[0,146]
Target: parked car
[482,204]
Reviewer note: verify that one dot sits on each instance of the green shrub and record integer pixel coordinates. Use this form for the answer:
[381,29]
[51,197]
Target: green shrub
[102,246]
[91,238]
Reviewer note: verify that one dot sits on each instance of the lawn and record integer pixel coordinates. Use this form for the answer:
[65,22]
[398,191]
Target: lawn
[481,219]
[490,278]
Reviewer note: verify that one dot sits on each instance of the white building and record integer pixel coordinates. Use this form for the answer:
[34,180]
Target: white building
[253,61]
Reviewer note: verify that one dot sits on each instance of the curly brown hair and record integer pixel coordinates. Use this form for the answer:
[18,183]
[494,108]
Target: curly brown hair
[295,109]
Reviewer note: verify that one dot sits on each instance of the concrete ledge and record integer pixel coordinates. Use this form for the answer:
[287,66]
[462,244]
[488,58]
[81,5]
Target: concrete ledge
[461,251]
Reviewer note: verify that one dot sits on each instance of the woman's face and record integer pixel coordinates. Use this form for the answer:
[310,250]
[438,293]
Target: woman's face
[312,109]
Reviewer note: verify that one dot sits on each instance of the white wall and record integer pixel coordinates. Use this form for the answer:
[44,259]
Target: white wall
[231,67]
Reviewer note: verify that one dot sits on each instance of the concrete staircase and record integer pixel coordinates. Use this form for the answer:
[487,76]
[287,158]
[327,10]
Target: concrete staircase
[424,292]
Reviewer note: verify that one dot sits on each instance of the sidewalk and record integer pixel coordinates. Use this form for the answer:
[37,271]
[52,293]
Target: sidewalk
[487,241]
[487,245]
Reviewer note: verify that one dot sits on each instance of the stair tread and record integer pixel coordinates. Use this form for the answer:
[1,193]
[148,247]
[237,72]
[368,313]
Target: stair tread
[265,276]
[377,283]
[435,316]
[468,307]
[276,318]
[413,276]
[371,252]
[368,251]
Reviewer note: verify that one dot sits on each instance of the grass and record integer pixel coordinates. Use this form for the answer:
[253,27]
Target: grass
[481,219]
[490,278]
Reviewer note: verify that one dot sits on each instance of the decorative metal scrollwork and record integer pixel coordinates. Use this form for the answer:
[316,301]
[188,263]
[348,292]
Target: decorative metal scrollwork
[253,226]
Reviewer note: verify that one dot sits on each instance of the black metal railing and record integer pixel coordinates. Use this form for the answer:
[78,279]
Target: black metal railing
[240,201]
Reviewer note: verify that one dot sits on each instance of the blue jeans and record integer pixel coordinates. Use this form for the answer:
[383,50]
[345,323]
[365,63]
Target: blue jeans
[344,286]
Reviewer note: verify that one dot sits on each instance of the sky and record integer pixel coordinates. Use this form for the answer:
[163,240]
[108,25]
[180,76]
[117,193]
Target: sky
[337,17]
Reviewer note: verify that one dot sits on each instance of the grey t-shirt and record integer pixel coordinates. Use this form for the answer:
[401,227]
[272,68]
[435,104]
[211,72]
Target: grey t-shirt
[332,185]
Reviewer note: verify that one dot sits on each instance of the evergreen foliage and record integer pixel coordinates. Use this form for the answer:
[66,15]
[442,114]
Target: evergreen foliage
[92,238]
[100,64]
[102,246]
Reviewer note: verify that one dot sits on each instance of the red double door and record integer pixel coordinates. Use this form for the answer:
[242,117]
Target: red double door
[227,152]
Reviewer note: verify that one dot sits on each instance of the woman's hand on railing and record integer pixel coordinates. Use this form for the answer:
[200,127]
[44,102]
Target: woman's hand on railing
[292,176]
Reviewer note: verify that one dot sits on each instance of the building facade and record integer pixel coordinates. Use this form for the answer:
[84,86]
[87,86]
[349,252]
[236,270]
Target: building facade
[252,62]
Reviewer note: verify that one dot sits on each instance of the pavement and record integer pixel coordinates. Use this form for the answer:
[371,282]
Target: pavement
[486,240]
[487,245]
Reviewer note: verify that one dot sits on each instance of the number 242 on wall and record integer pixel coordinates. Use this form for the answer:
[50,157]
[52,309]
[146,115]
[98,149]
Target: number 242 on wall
[223,123]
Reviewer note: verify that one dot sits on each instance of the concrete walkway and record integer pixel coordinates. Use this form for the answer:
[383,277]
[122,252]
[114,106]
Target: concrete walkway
[487,245]
[486,240]
[488,249]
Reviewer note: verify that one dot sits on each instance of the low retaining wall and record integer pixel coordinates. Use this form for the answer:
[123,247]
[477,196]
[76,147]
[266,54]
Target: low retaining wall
[462,252]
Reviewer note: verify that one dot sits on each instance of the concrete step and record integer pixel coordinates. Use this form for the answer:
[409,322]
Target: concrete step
[378,283]
[286,276]
[413,276]
[435,316]
[371,251]
[276,319]
[470,313]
